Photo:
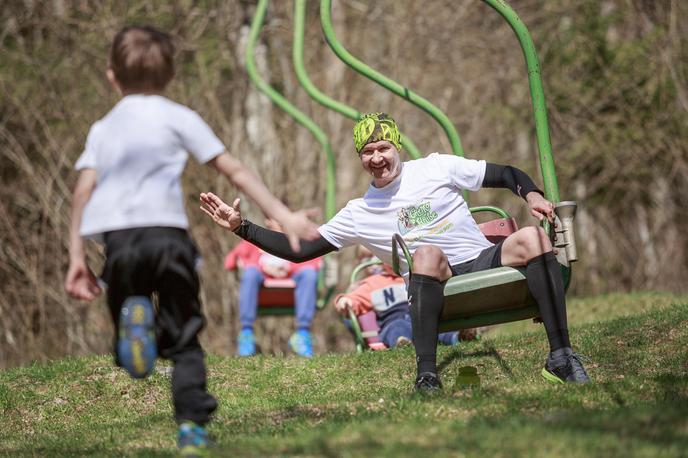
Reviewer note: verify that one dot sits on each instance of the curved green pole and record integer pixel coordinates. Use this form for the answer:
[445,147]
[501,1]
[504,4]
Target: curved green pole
[284,104]
[398,89]
[491,209]
[537,94]
[314,92]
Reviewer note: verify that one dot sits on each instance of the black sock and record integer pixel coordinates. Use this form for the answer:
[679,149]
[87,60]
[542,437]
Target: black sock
[547,287]
[426,296]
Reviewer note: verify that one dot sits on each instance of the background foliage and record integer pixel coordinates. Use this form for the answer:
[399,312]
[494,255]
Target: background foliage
[615,75]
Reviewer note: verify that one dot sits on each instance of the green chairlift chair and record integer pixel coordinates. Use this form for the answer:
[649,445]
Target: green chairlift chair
[498,295]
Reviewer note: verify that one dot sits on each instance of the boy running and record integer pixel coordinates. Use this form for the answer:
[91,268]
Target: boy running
[129,196]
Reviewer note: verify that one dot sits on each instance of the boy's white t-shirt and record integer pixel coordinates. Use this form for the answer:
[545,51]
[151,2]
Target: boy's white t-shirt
[139,150]
[424,204]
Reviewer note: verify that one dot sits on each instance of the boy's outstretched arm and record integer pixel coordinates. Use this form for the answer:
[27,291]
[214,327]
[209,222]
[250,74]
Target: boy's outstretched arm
[296,224]
[229,217]
[80,283]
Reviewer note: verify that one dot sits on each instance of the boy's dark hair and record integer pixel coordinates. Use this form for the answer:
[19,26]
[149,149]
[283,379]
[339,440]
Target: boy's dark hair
[142,58]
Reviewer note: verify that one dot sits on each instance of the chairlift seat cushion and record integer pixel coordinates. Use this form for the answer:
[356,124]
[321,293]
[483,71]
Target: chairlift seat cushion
[277,292]
[497,230]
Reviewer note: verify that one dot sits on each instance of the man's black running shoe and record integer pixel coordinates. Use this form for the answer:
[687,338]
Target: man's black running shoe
[427,382]
[567,368]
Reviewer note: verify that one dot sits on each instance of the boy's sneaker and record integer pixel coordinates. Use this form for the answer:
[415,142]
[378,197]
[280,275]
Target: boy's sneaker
[246,343]
[427,382]
[302,343]
[192,440]
[136,347]
[565,368]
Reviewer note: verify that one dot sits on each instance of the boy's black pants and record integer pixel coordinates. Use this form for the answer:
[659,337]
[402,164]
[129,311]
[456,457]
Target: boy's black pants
[163,260]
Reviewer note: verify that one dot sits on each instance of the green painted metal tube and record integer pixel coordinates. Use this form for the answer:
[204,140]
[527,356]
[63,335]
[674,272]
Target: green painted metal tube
[489,208]
[284,104]
[398,243]
[357,270]
[358,334]
[537,93]
[314,92]
[398,89]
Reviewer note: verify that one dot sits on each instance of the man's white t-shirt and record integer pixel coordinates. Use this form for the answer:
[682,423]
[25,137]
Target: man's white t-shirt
[424,204]
[139,150]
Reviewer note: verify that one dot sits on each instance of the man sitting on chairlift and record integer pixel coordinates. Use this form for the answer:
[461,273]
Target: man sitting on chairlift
[422,200]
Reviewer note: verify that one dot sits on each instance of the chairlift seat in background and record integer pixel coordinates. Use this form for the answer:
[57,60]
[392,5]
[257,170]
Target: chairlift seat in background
[276,297]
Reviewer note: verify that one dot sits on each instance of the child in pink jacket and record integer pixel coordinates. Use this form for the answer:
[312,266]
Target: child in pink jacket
[385,292]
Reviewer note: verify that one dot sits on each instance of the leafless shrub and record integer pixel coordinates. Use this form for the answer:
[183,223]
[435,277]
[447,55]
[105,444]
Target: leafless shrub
[615,79]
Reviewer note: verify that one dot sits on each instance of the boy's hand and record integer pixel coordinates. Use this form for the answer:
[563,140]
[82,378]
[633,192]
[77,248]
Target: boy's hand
[299,225]
[342,305]
[224,216]
[81,283]
[540,207]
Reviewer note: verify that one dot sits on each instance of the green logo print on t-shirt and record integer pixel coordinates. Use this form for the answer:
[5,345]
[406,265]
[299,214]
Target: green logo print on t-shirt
[414,216]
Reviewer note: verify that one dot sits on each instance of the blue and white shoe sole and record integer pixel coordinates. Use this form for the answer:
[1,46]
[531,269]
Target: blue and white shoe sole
[136,347]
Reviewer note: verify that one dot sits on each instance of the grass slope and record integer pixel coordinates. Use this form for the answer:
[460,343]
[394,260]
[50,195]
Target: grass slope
[357,405]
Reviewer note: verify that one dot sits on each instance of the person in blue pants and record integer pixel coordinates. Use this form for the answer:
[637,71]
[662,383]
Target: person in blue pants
[257,266]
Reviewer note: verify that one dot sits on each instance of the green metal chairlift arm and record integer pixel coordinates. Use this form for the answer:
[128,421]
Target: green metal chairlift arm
[398,89]
[537,93]
[285,105]
[490,208]
[314,92]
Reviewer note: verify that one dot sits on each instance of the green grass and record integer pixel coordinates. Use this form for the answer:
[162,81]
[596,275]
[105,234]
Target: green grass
[362,405]
[603,307]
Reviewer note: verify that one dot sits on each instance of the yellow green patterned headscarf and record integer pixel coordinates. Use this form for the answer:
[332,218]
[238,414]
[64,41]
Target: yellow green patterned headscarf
[375,127]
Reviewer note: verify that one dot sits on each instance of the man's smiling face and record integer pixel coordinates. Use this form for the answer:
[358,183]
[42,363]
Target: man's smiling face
[381,160]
